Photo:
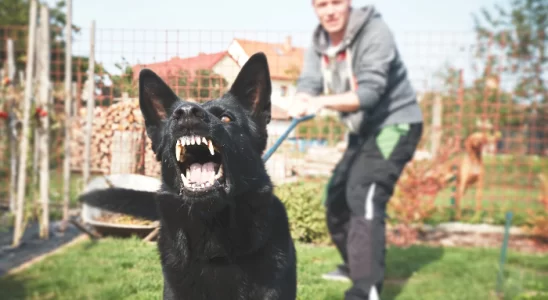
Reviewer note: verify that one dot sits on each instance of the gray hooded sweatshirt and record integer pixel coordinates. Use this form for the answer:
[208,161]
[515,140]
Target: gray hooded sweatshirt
[367,62]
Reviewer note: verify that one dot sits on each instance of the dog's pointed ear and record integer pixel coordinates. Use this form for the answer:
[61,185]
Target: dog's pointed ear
[253,88]
[155,100]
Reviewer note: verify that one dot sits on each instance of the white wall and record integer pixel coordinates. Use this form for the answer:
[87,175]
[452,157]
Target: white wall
[278,127]
[227,68]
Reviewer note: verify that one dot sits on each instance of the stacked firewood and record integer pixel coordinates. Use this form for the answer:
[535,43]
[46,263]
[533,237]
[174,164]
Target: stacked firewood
[109,123]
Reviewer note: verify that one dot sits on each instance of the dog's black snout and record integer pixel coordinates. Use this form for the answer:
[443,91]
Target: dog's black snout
[190,111]
[190,115]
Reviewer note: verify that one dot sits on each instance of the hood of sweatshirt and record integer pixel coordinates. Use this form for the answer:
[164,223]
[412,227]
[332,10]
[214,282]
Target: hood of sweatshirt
[357,19]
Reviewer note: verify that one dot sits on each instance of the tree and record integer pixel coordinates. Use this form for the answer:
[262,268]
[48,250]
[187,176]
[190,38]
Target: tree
[16,13]
[14,17]
[512,42]
[518,32]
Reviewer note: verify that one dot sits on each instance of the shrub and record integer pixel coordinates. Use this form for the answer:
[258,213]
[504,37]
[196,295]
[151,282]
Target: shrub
[414,196]
[303,202]
[538,220]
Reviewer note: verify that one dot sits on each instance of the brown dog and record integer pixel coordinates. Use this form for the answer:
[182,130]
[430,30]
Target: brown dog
[471,168]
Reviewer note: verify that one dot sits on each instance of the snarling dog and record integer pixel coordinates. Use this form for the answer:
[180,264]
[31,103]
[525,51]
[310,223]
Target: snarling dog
[223,233]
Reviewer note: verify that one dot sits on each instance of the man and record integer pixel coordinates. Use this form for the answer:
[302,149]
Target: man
[354,62]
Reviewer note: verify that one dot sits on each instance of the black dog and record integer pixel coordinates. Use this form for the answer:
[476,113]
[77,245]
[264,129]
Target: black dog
[224,234]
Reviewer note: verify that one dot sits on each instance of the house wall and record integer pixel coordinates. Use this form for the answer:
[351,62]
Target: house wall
[277,127]
[227,68]
[237,53]
[277,87]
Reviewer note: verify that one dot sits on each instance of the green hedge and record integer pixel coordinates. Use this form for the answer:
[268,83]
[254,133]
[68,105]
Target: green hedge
[306,213]
[303,202]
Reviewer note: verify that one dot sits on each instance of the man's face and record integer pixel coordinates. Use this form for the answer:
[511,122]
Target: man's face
[333,14]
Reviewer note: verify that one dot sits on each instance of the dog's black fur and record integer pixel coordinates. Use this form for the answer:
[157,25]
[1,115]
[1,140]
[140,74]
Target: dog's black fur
[233,241]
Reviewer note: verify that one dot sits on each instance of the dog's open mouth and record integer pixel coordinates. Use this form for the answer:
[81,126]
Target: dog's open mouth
[200,163]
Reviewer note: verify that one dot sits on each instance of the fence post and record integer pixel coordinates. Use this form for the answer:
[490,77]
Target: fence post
[68,115]
[12,126]
[460,103]
[90,106]
[435,135]
[43,102]
[23,151]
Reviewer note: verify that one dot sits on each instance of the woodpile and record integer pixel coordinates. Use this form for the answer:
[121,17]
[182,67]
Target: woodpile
[117,140]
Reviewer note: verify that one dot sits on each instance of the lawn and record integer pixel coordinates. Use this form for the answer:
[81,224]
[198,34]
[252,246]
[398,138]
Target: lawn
[128,269]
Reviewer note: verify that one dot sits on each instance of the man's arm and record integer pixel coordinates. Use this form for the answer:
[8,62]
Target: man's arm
[310,81]
[346,102]
[376,53]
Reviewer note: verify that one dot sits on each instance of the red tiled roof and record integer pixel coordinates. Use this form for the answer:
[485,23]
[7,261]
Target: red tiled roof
[191,64]
[281,56]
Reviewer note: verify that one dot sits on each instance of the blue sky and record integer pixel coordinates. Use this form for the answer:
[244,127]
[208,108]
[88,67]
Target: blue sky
[428,32]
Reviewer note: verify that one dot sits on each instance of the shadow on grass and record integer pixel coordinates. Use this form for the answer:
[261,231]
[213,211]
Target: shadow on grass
[14,288]
[402,264]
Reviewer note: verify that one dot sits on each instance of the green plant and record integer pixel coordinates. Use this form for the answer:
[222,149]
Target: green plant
[305,211]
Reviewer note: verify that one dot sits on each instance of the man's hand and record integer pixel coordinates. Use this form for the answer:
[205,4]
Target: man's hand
[304,104]
[299,106]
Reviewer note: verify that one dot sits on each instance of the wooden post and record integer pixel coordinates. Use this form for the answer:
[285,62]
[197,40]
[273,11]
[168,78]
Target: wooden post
[435,135]
[23,151]
[12,127]
[68,115]
[10,61]
[90,106]
[124,150]
[43,102]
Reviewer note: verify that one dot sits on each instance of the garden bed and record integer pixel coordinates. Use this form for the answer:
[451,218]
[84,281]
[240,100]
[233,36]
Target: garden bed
[31,245]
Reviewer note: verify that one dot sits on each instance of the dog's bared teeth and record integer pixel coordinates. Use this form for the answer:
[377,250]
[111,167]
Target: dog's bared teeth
[210,146]
[178,149]
[192,141]
[185,180]
[198,140]
[219,173]
[204,140]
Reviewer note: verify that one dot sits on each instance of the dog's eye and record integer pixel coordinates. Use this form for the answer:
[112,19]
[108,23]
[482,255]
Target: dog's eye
[225,119]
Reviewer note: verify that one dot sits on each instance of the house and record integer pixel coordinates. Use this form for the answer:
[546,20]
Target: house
[279,122]
[219,63]
[285,62]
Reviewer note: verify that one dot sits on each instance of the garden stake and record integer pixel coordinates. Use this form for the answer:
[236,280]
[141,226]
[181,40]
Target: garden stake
[503,251]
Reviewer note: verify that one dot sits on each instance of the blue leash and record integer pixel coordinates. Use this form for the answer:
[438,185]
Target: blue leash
[294,123]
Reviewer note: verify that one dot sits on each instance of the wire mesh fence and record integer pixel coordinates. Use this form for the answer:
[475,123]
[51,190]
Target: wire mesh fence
[484,143]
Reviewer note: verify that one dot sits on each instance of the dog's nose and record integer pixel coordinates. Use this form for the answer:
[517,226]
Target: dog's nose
[190,114]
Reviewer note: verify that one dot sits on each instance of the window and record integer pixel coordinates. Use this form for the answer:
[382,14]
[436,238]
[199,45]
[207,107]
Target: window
[283,91]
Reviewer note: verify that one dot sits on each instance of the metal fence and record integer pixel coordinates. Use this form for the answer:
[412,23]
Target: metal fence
[467,105]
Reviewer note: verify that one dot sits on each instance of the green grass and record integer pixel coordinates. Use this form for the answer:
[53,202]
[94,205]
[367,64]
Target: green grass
[129,269]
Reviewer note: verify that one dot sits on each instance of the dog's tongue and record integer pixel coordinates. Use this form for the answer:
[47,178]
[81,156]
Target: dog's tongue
[202,173]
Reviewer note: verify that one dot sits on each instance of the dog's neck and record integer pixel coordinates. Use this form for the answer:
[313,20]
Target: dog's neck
[205,234]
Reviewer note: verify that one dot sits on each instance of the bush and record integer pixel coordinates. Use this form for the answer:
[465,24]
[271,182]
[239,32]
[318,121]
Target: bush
[303,202]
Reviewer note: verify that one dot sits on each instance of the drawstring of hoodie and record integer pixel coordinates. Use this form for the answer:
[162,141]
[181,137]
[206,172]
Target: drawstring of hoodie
[327,68]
